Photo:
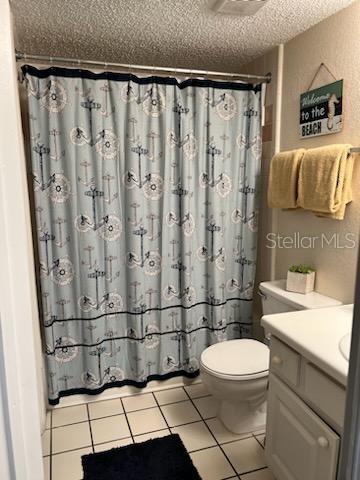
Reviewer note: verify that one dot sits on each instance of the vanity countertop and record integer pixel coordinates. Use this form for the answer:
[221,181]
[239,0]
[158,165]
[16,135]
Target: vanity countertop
[316,335]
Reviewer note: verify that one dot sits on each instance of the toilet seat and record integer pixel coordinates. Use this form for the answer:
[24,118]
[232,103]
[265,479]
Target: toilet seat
[239,360]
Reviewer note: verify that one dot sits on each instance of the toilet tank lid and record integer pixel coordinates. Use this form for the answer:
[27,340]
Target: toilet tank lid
[242,357]
[308,301]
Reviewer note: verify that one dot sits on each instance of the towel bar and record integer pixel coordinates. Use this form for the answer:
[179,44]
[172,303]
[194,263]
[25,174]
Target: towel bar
[355,150]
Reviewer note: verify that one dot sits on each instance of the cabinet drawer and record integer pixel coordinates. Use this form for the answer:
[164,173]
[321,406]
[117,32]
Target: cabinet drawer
[284,361]
[299,445]
[325,394]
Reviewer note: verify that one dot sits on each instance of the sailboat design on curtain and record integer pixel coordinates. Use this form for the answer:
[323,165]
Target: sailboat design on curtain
[145,196]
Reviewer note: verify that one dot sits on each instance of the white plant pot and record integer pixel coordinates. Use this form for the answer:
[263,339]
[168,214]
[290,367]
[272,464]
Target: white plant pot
[300,282]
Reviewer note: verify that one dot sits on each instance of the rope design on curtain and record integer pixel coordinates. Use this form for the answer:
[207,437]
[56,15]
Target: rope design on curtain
[145,195]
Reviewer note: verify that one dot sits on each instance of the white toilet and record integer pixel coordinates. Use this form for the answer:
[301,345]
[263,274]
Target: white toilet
[236,372]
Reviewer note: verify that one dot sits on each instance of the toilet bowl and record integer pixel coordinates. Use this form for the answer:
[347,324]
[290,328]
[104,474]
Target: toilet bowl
[236,371]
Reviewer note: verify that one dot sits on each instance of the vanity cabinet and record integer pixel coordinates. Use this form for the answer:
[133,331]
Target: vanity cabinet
[305,417]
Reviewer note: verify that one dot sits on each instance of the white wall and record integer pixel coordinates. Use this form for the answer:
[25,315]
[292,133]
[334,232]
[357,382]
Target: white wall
[19,316]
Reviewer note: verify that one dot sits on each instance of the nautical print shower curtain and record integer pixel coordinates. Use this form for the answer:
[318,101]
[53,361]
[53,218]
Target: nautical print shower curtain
[145,193]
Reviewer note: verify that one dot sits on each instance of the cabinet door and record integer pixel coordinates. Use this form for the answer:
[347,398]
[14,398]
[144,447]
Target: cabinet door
[299,445]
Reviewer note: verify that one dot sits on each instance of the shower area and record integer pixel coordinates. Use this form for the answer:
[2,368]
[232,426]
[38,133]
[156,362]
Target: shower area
[144,192]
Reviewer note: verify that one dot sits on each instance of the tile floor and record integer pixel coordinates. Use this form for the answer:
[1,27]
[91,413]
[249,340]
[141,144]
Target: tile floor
[189,411]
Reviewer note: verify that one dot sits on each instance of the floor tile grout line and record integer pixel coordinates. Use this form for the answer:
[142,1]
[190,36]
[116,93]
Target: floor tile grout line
[136,411]
[261,445]
[162,413]
[131,411]
[71,424]
[255,470]
[140,435]
[179,401]
[127,420]
[91,434]
[75,449]
[211,433]
[134,437]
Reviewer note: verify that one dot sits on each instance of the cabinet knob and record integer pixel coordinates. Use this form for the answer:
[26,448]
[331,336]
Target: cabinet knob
[323,442]
[276,360]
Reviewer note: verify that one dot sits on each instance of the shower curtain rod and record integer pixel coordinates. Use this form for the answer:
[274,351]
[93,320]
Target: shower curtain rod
[23,57]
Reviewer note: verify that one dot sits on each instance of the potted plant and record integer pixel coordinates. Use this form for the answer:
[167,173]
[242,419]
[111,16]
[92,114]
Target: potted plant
[300,279]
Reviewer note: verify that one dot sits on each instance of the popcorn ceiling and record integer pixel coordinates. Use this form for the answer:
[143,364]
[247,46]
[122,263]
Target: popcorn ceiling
[178,33]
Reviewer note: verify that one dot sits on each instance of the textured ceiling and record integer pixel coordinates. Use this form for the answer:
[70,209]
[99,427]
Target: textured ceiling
[181,33]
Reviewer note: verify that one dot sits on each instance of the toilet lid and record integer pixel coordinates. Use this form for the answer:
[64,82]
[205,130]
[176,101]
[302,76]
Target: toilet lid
[244,357]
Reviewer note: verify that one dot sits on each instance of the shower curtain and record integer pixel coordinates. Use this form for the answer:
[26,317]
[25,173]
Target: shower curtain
[145,193]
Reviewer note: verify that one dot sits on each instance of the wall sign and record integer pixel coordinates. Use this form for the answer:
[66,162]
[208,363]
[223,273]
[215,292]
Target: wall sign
[321,110]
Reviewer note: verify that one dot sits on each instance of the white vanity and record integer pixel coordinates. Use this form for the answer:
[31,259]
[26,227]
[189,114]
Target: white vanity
[307,390]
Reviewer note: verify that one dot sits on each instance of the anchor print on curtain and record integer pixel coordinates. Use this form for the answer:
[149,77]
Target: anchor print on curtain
[145,193]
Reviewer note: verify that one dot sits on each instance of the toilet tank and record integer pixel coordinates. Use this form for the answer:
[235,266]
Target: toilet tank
[276,299]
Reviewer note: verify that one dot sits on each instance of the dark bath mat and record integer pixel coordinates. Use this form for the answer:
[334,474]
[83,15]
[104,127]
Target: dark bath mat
[162,458]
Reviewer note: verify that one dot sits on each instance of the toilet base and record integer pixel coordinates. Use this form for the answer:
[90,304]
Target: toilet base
[240,418]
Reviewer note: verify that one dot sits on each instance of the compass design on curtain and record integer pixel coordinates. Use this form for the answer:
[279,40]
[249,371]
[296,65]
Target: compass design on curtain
[224,104]
[62,272]
[153,102]
[106,142]
[109,303]
[65,349]
[53,97]
[59,189]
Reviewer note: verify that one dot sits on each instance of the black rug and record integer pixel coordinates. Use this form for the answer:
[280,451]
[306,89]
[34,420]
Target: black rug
[162,458]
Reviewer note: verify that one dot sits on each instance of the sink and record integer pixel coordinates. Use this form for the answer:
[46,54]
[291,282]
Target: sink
[344,346]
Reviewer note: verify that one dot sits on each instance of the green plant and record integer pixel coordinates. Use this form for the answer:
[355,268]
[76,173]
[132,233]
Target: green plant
[301,269]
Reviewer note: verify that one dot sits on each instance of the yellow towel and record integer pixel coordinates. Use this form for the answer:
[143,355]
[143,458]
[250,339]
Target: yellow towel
[283,179]
[325,180]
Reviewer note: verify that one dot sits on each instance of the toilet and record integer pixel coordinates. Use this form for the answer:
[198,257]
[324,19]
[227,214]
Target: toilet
[236,371]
